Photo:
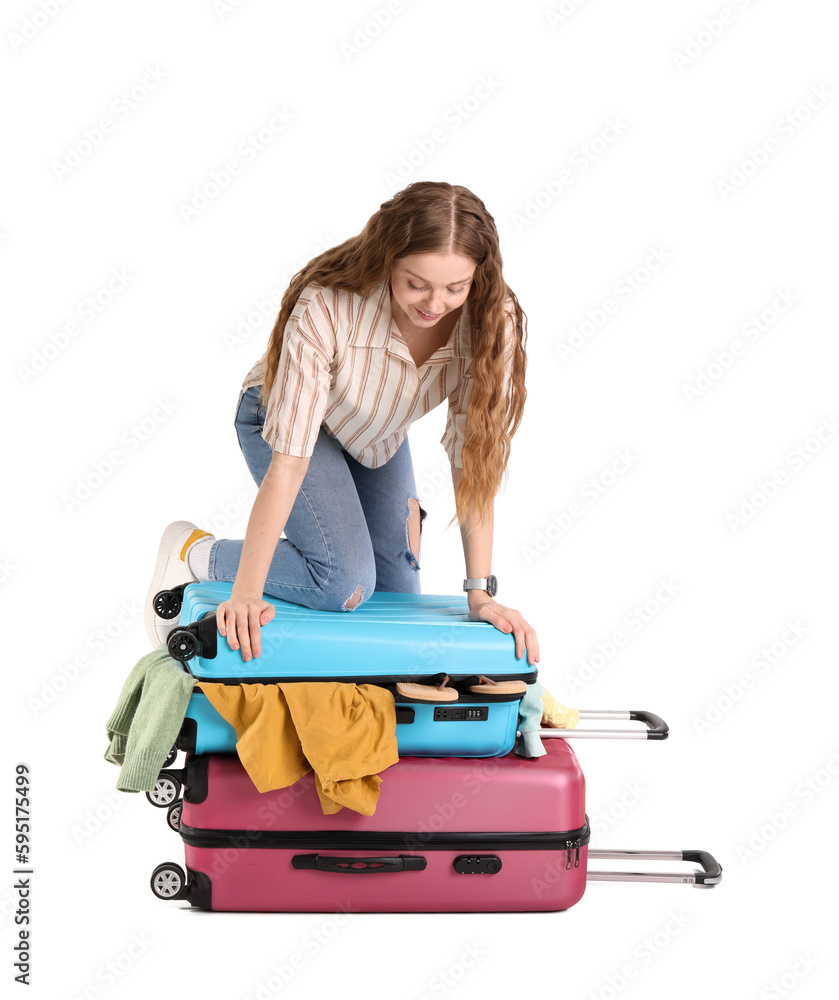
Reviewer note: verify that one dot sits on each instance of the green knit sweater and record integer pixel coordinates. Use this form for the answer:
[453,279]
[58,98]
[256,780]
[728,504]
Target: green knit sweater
[148,716]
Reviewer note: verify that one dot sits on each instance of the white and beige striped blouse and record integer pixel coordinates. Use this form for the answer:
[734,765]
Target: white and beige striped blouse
[344,364]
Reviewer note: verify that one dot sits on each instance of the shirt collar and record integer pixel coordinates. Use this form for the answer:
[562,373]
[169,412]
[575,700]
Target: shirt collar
[386,334]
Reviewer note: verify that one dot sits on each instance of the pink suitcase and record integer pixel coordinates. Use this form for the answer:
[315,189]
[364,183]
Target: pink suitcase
[449,834]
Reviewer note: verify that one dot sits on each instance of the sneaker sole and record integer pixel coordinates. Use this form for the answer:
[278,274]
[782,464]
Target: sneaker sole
[165,555]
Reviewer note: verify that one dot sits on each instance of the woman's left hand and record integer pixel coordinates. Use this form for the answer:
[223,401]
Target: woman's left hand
[507,620]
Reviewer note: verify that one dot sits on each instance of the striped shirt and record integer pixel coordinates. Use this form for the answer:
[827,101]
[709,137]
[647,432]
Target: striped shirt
[345,365]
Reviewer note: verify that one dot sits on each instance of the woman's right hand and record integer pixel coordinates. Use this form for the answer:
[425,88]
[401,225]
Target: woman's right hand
[240,620]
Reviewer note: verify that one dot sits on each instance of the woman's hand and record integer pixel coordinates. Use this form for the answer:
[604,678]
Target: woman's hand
[240,620]
[506,620]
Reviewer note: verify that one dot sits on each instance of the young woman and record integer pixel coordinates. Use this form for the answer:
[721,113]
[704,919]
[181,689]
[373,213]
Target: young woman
[371,335]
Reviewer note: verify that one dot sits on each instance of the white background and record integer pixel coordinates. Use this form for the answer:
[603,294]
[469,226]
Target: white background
[516,91]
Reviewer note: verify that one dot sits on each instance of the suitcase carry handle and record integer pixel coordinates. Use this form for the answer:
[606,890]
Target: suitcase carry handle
[657,728]
[711,872]
[359,866]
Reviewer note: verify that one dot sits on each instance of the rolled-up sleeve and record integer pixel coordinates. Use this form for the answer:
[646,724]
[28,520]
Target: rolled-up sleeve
[296,406]
[455,431]
[458,400]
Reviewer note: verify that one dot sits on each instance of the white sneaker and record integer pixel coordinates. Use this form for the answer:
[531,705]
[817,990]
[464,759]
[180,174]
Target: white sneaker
[171,570]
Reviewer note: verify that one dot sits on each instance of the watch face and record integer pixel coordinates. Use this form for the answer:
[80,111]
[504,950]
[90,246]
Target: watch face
[492,586]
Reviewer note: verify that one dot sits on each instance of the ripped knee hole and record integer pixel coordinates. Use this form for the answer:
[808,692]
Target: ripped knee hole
[413,531]
[352,602]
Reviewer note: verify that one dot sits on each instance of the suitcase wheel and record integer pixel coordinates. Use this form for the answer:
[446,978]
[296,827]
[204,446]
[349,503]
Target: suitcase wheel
[168,881]
[182,645]
[167,603]
[173,816]
[173,753]
[166,791]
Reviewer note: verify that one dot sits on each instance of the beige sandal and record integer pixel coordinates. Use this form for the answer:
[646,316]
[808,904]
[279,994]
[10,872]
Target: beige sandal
[427,692]
[489,686]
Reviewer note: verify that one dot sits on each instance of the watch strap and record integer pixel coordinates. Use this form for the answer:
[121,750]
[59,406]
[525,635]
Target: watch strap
[487,583]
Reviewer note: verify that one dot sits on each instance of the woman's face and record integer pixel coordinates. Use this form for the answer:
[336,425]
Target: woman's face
[427,286]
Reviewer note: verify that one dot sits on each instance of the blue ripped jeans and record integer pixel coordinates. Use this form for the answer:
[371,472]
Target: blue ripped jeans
[348,526]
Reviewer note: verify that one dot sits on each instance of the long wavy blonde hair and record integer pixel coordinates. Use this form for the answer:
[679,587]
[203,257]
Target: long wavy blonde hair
[437,217]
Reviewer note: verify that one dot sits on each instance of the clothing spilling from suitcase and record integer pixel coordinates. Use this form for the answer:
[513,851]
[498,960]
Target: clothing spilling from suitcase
[401,742]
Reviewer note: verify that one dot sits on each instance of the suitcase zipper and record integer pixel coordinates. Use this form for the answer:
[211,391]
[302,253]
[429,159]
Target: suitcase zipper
[383,680]
[352,840]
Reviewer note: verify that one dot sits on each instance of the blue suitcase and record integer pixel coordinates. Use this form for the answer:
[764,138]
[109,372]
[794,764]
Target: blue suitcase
[389,638]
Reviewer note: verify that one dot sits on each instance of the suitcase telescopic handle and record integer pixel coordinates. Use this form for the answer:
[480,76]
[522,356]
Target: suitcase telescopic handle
[359,866]
[711,872]
[656,727]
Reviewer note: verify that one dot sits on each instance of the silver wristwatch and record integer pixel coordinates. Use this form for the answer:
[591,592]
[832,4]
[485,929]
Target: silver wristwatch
[487,583]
